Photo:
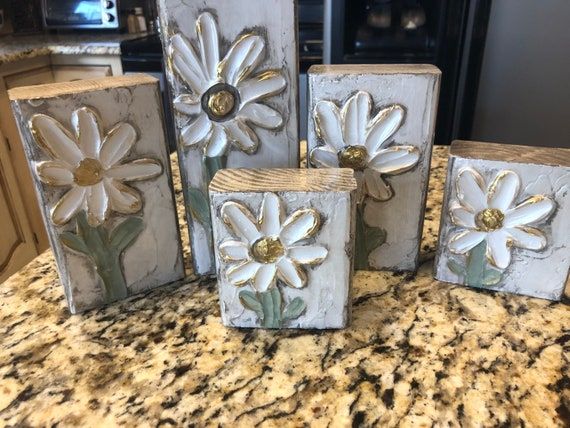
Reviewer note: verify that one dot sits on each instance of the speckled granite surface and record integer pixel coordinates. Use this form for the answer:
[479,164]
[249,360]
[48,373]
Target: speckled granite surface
[14,48]
[418,353]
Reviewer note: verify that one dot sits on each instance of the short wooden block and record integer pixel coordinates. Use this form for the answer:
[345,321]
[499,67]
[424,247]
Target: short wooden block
[505,221]
[101,168]
[380,121]
[233,73]
[284,241]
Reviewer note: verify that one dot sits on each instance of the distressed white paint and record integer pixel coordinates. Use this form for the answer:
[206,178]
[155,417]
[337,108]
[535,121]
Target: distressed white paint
[155,257]
[270,138]
[327,292]
[538,272]
[397,203]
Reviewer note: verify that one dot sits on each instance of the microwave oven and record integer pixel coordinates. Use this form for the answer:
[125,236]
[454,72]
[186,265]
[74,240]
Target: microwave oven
[88,14]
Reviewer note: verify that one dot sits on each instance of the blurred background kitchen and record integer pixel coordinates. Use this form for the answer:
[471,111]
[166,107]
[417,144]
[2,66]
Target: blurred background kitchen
[505,69]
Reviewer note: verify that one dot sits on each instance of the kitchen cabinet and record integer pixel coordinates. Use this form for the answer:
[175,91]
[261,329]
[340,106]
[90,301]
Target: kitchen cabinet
[23,234]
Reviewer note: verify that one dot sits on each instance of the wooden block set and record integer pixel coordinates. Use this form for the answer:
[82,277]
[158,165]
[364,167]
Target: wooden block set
[282,241]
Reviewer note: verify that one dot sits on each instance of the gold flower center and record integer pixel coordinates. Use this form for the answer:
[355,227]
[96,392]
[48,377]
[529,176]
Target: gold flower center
[353,157]
[267,250]
[88,173]
[221,103]
[490,219]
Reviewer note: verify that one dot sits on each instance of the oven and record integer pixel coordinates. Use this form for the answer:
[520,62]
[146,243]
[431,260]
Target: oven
[88,14]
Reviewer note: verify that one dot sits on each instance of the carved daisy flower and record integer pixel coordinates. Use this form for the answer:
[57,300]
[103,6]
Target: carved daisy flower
[225,98]
[89,161]
[488,214]
[270,247]
[352,140]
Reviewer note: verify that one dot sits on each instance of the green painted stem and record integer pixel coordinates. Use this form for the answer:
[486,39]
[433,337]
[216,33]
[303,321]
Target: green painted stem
[113,280]
[271,302]
[477,265]
[361,256]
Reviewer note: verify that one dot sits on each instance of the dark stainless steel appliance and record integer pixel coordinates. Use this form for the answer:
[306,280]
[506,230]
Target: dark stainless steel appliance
[87,14]
[447,33]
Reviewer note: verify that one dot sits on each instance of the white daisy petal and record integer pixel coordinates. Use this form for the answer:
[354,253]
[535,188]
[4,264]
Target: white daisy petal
[308,254]
[469,188]
[188,105]
[503,190]
[261,115]
[244,55]
[240,221]
[242,273]
[529,238]
[264,85]
[498,250]
[54,173]
[376,187]
[117,144]
[56,140]
[534,209]
[97,204]
[68,205]
[324,157]
[383,126]
[197,131]
[217,142]
[234,251]
[187,64]
[123,199]
[271,215]
[86,124]
[462,242]
[300,225]
[140,169]
[328,125]
[395,160]
[355,115]
[264,277]
[242,136]
[462,217]
[291,274]
[207,30]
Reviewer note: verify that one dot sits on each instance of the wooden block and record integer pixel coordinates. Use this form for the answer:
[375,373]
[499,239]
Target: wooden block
[284,243]
[380,121]
[506,219]
[101,168]
[233,73]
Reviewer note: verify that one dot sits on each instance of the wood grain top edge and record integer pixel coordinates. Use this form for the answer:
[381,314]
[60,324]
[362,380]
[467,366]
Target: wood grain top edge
[336,69]
[511,153]
[51,90]
[283,180]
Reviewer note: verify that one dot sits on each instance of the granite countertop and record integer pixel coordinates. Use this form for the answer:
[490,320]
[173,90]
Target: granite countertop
[418,353]
[14,48]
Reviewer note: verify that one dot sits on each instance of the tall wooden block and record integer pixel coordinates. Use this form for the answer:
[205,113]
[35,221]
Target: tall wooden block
[233,73]
[101,168]
[505,222]
[378,120]
[284,243]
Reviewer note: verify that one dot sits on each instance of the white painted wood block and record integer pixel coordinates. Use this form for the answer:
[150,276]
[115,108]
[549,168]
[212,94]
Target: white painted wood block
[101,168]
[505,222]
[233,73]
[284,242]
[380,121]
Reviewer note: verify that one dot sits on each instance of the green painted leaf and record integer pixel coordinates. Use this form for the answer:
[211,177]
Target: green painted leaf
[492,277]
[476,265]
[456,267]
[213,165]
[374,238]
[249,301]
[74,242]
[125,233]
[294,309]
[199,206]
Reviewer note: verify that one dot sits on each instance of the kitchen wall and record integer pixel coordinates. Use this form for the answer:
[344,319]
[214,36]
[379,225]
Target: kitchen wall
[524,92]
